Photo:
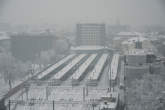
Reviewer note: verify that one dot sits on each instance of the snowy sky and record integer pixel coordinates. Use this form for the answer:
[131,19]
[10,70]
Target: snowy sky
[134,12]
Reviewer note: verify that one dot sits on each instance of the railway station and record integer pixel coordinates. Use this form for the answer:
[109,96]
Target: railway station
[82,79]
[82,55]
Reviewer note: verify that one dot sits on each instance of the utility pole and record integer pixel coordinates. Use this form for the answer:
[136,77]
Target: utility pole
[83,94]
[109,72]
[9,104]
[125,90]
[10,84]
[93,104]
[53,105]
[2,105]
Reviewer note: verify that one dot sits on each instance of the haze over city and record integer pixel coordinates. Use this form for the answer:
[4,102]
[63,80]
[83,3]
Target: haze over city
[82,54]
[67,12]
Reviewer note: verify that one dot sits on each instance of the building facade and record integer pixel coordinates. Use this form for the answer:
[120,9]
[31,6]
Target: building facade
[90,34]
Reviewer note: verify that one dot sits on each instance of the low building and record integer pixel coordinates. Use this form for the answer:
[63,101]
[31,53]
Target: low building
[139,62]
[135,57]
[137,43]
[139,56]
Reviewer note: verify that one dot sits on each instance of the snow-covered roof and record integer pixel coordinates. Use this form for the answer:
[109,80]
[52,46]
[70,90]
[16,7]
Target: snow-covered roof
[95,73]
[88,47]
[128,33]
[64,71]
[119,38]
[78,73]
[55,66]
[137,52]
[134,39]
[114,67]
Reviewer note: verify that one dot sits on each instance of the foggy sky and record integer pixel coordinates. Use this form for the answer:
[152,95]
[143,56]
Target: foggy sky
[133,12]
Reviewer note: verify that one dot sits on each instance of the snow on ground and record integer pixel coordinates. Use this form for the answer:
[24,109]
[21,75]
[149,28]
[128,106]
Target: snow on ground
[65,93]
[60,94]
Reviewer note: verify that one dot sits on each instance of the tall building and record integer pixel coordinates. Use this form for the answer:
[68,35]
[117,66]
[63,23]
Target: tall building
[90,34]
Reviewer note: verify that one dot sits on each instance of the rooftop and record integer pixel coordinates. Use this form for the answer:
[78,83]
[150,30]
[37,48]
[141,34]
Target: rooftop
[88,47]
[138,52]
[134,39]
[128,33]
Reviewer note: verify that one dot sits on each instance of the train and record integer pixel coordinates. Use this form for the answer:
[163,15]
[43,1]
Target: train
[67,70]
[95,74]
[50,69]
[113,73]
[80,73]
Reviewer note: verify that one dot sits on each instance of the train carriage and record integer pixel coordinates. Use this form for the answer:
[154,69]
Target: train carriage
[54,66]
[113,73]
[80,72]
[66,71]
[95,74]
